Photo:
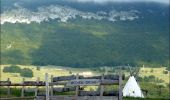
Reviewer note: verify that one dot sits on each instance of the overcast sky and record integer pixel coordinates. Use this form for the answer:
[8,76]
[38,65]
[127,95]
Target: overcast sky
[103,1]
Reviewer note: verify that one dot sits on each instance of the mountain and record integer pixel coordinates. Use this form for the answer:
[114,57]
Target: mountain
[59,32]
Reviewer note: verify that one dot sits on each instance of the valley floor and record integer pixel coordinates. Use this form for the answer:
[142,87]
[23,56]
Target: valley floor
[153,88]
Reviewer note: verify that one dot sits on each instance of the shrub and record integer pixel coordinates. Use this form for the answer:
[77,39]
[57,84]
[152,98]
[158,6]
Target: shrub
[151,71]
[38,68]
[150,78]
[165,72]
[12,69]
[26,72]
[70,72]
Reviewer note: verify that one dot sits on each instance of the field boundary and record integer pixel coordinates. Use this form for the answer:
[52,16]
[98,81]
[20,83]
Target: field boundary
[70,83]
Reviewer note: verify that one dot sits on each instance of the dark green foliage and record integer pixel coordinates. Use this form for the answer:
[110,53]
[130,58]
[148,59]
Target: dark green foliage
[70,72]
[12,69]
[154,90]
[38,68]
[90,43]
[26,72]
[130,98]
[151,71]
[15,92]
[165,72]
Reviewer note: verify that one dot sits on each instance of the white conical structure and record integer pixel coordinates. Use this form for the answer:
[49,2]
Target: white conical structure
[132,88]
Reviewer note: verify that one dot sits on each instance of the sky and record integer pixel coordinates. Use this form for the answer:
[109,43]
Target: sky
[103,1]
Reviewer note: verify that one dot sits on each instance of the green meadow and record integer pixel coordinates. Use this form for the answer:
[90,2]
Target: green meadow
[153,86]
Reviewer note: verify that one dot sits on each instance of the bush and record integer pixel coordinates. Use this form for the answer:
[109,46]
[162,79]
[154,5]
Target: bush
[26,72]
[38,68]
[70,72]
[165,72]
[150,78]
[12,69]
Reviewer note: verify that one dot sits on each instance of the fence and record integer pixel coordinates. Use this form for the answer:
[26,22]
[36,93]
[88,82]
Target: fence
[69,83]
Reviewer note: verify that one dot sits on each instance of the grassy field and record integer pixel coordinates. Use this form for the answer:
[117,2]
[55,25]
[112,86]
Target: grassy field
[64,71]
[153,88]
[51,70]
[144,99]
[157,72]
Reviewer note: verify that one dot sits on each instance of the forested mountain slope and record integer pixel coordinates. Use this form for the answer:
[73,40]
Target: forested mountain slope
[80,36]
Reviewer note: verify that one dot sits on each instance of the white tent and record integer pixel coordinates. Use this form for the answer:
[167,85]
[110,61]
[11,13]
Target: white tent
[132,88]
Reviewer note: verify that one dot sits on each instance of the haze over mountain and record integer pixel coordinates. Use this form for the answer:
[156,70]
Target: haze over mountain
[84,34]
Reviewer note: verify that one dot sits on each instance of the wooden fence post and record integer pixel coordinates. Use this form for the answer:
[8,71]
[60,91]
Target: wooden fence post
[23,88]
[51,85]
[47,86]
[77,87]
[120,86]
[9,90]
[101,87]
[36,89]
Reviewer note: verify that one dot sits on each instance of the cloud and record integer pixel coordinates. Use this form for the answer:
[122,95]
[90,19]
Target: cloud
[104,1]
